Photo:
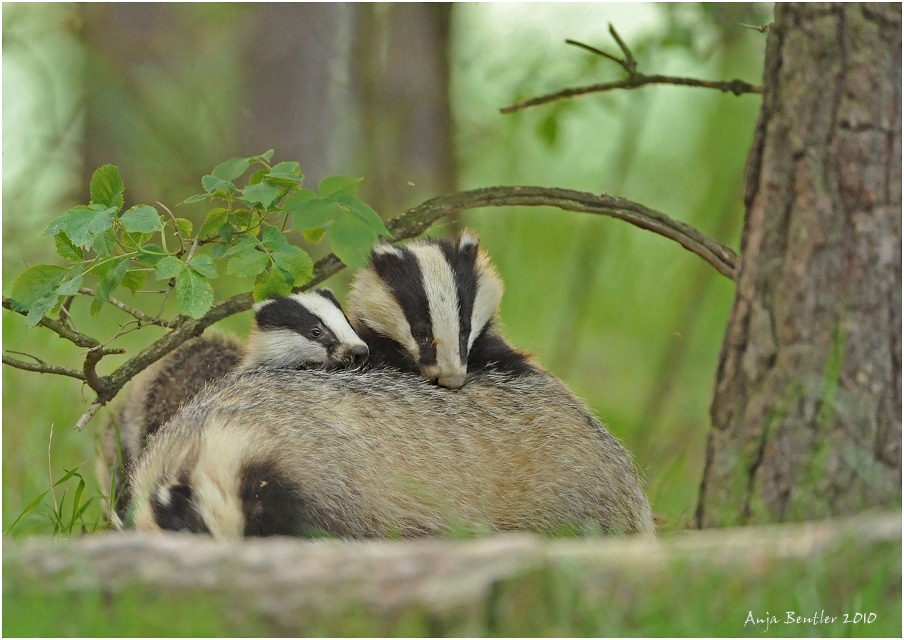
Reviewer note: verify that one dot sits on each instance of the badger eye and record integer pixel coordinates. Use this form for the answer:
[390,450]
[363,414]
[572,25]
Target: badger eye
[316,332]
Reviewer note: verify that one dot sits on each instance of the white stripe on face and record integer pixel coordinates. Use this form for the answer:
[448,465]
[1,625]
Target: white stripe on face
[488,298]
[332,318]
[279,348]
[442,299]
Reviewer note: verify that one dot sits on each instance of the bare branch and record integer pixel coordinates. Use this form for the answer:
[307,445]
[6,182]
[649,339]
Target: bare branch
[635,79]
[737,87]
[42,367]
[86,417]
[762,28]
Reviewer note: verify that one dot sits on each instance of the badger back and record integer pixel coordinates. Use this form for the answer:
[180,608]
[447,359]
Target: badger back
[423,306]
[304,330]
[380,454]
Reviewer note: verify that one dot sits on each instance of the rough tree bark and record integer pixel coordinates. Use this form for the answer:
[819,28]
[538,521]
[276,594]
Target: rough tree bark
[807,404]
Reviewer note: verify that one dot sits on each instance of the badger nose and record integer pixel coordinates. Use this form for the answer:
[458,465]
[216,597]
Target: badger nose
[452,382]
[359,353]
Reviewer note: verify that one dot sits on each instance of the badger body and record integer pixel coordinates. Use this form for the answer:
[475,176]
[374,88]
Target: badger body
[430,307]
[304,330]
[384,453]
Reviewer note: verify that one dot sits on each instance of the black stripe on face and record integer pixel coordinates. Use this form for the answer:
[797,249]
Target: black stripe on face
[462,260]
[180,512]
[404,278]
[288,313]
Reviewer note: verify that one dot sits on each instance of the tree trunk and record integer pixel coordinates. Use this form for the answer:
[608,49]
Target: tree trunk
[807,404]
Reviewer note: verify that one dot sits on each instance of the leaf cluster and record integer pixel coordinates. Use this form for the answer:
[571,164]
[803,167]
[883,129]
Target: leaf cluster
[245,233]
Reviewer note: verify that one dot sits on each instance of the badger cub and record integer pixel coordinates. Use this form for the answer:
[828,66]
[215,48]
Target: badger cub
[429,307]
[302,331]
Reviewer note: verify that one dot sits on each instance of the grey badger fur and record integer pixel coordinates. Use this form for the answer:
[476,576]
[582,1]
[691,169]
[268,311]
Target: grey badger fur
[430,307]
[304,330]
[382,453]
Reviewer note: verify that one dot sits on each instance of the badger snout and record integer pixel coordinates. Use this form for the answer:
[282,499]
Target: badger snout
[452,382]
[444,377]
[359,354]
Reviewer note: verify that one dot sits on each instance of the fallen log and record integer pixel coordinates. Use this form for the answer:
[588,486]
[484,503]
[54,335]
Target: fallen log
[718,582]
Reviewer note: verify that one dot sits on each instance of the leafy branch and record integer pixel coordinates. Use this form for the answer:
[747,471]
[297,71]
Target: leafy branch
[252,246]
[634,80]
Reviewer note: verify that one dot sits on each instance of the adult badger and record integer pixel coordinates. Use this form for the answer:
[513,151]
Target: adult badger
[430,307]
[383,453]
[301,331]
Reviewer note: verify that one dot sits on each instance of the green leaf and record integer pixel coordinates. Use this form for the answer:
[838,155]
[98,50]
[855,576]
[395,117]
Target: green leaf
[71,286]
[135,280]
[66,250]
[212,184]
[249,263]
[83,223]
[76,502]
[335,186]
[266,156]
[151,254]
[196,198]
[257,177]
[68,475]
[295,262]
[169,267]
[548,129]
[34,284]
[263,194]
[241,246]
[184,227]
[111,279]
[272,284]
[314,235]
[215,219]
[204,265]
[141,218]
[107,188]
[310,213]
[352,239]
[231,169]
[364,213]
[290,171]
[194,293]
[274,239]
[218,250]
[105,244]
[240,218]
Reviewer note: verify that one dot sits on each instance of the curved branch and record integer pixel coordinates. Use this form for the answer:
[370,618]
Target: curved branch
[636,81]
[138,314]
[413,223]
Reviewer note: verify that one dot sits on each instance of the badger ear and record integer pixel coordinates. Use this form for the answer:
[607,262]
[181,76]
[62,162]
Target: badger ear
[467,240]
[328,294]
[384,248]
[257,306]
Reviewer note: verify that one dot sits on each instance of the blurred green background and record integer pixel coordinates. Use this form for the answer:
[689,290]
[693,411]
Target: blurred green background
[407,96]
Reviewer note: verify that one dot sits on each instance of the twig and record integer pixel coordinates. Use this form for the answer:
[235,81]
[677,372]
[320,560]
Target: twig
[86,417]
[59,328]
[42,367]
[139,315]
[762,28]
[56,507]
[635,79]
[175,227]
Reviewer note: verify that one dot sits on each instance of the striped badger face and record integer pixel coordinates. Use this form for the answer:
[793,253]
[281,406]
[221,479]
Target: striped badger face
[302,331]
[432,297]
